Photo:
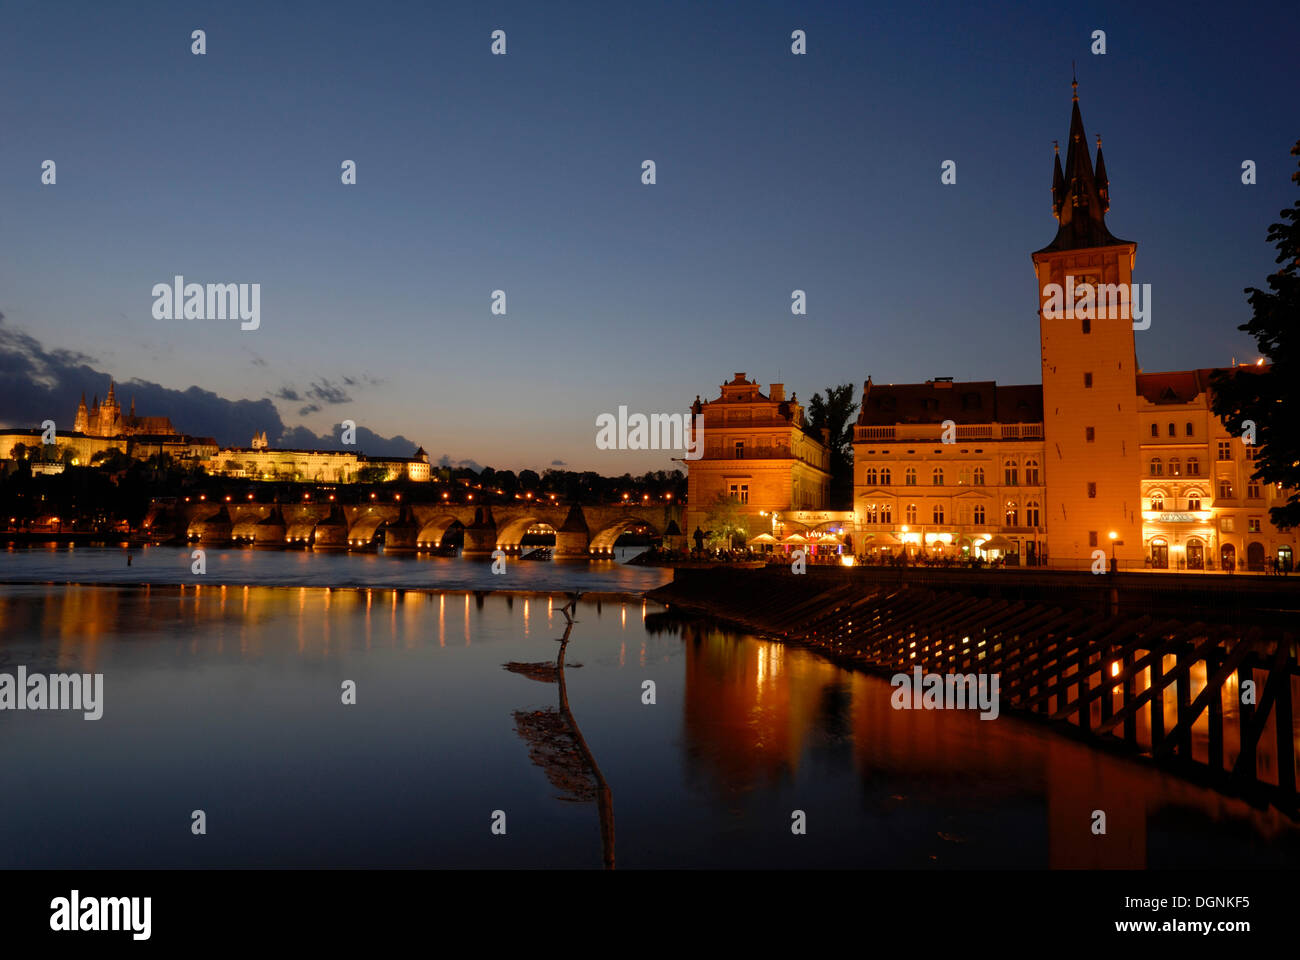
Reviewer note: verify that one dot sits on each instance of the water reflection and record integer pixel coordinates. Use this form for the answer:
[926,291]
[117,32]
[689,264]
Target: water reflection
[227,697]
[555,742]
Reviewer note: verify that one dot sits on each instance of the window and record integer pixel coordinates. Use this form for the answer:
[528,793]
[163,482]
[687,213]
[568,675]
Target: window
[911,513]
[1090,434]
[1087,380]
[1092,538]
[1188,430]
[979,476]
[740,449]
[1155,429]
[1225,449]
[1193,467]
[1010,473]
[1092,489]
[869,513]
[1252,526]
[978,513]
[1087,325]
[1031,472]
[910,477]
[869,477]
[937,513]
[1031,513]
[1251,451]
[1175,467]
[1012,514]
[938,476]
[1252,489]
[1225,489]
[1225,524]
[1157,468]
[884,476]
[886,513]
[1194,500]
[1173,430]
[1157,501]
[740,491]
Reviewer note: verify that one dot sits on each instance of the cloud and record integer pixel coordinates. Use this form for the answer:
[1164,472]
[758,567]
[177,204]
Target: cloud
[38,384]
[558,463]
[288,393]
[446,461]
[310,408]
[327,392]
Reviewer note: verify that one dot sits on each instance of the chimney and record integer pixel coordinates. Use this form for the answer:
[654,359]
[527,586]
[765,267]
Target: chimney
[777,392]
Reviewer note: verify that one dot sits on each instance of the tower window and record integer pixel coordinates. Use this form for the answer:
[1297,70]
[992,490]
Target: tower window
[1173,430]
[1189,429]
[1087,380]
[1092,538]
[1087,325]
[1090,433]
[1092,489]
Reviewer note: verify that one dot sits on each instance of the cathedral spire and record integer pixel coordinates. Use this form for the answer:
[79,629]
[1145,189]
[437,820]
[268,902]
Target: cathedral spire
[1080,197]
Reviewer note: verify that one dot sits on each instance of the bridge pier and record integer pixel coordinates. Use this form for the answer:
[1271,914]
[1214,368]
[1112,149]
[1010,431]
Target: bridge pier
[573,539]
[481,535]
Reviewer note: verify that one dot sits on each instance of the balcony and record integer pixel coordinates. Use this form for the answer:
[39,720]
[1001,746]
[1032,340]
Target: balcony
[933,432]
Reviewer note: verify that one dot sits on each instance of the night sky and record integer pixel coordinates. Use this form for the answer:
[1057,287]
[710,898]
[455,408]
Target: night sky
[523,173]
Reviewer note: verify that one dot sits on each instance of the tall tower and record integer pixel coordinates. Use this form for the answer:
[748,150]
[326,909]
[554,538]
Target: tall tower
[1090,417]
[82,422]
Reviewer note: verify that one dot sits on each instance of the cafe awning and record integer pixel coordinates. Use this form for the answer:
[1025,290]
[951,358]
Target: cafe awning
[998,543]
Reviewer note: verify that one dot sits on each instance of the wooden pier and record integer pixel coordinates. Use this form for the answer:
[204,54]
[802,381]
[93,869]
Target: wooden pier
[1205,694]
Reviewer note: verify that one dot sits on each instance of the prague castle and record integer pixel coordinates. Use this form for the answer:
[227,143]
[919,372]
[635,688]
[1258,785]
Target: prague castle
[1099,457]
[107,420]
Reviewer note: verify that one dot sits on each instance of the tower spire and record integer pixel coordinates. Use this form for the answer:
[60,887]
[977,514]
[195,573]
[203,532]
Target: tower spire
[1080,197]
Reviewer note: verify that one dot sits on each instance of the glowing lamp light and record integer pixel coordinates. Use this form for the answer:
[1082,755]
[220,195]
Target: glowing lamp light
[847,559]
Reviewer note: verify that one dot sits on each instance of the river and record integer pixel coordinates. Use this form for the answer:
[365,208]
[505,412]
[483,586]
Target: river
[228,699]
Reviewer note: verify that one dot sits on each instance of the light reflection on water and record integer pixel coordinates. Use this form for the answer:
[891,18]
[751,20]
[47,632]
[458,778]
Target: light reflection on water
[322,568]
[227,699]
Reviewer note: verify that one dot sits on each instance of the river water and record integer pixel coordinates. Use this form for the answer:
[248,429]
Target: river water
[227,698]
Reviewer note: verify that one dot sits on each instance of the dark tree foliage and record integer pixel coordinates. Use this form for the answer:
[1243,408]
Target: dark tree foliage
[1267,395]
[836,411]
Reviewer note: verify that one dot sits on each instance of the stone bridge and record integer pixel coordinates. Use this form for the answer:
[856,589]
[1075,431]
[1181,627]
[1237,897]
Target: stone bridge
[580,531]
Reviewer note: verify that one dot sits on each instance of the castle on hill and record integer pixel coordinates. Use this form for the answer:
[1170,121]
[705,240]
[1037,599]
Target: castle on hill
[106,420]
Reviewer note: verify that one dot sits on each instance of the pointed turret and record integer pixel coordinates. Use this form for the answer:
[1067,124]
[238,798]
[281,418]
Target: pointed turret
[1103,184]
[1080,198]
[1058,182]
[82,422]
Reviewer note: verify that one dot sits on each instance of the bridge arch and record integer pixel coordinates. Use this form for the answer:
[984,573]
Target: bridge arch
[603,542]
[432,531]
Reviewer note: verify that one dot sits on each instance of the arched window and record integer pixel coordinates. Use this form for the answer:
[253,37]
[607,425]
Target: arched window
[1173,430]
[1155,429]
[977,515]
[911,513]
[937,513]
[1194,500]
[1157,468]
[869,513]
[1011,473]
[1031,472]
[1190,431]
[910,477]
[869,477]
[938,476]
[884,476]
[979,476]
[1031,513]
[886,513]
[1175,467]
[1157,501]
[1013,514]
[1193,467]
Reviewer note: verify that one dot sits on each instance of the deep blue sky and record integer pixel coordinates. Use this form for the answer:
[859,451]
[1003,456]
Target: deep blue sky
[522,172]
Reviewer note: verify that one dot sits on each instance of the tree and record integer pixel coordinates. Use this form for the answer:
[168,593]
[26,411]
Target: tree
[835,412]
[372,475]
[1266,395]
[726,522]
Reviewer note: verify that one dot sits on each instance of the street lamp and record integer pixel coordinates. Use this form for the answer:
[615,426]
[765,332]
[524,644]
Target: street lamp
[1113,544]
